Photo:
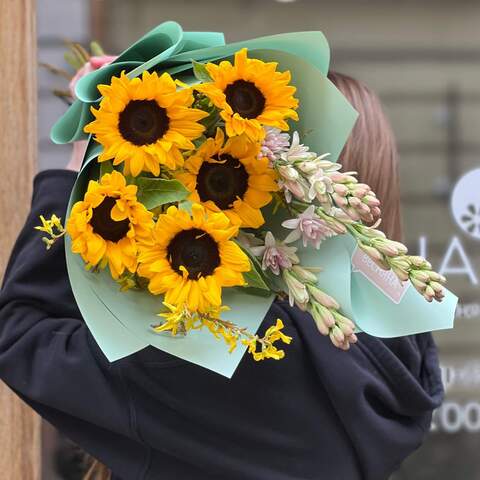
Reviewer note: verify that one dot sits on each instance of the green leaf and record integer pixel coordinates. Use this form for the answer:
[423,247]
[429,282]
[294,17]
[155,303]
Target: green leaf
[211,122]
[186,205]
[153,192]
[199,141]
[254,280]
[200,72]
[105,167]
[96,49]
[259,292]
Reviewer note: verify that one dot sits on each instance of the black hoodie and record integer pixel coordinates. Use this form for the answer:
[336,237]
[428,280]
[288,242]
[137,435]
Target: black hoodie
[320,413]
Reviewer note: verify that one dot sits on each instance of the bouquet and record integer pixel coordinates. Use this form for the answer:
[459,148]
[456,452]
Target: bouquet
[210,187]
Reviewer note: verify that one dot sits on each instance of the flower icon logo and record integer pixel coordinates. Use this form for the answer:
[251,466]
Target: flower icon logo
[471,218]
[465,203]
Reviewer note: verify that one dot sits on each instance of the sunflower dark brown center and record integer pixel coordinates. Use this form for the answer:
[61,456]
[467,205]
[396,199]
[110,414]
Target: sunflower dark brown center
[245,98]
[222,183]
[103,224]
[143,122]
[195,250]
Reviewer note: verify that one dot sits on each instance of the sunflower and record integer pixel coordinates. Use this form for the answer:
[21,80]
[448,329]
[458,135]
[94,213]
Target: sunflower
[145,122]
[106,225]
[230,177]
[250,94]
[190,258]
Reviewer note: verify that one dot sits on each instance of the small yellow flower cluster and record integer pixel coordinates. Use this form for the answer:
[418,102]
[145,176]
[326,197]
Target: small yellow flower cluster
[53,228]
[179,320]
[127,281]
[221,329]
[268,349]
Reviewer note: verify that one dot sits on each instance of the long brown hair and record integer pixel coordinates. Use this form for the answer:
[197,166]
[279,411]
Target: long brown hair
[371,151]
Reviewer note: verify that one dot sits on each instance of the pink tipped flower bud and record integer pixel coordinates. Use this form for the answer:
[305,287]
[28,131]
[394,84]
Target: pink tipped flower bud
[342,320]
[323,318]
[360,193]
[355,202]
[421,275]
[370,232]
[418,284]
[376,256]
[400,247]
[340,189]
[288,172]
[372,252]
[308,167]
[437,287]
[436,277]
[371,201]
[402,263]
[297,291]
[304,275]
[419,262]
[429,293]
[337,177]
[337,335]
[327,165]
[336,226]
[322,298]
[363,209]
[386,247]
[351,179]
[340,215]
[352,213]
[367,217]
[340,201]
[400,273]
[346,329]
[319,321]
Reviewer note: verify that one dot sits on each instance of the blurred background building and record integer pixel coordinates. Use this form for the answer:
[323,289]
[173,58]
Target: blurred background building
[423,58]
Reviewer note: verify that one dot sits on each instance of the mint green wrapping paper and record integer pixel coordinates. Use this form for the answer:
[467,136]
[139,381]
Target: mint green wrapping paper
[121,321]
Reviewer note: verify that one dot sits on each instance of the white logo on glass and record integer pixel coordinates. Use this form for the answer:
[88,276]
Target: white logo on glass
[465,203]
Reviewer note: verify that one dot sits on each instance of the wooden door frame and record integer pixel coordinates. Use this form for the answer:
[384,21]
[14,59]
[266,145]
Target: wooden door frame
[97,20]
[20,427]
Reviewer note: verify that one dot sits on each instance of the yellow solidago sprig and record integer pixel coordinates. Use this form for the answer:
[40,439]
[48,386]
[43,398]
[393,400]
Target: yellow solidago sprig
[145,122]
[250,94]
[53,228]
[107,224]
[230,177]
[268,349]
[179,320]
